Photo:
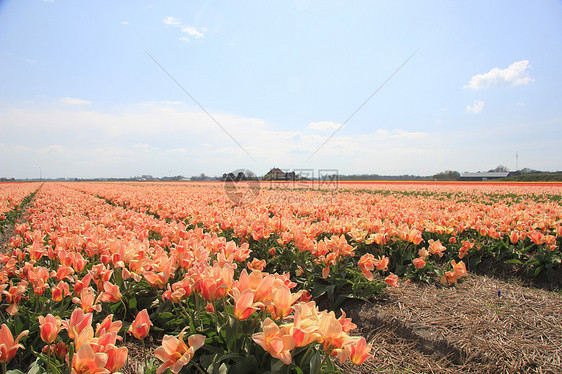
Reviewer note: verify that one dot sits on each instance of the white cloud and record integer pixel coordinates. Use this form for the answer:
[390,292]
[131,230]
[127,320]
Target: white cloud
[194,31]
[151,138]
[172,21]
[476,108]
[51,149]
[74,101]
[323,125]
[145,147]
[515,75]
[125,23]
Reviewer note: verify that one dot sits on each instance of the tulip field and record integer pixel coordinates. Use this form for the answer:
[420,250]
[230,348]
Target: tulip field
[196,283]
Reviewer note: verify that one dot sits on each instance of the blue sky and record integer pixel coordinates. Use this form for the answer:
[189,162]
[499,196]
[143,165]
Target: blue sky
[80,95]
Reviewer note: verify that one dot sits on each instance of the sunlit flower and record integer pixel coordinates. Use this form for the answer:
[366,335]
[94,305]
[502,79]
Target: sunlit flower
[175,353]
[49,327]
[141,325]
[9,346]
[392,280]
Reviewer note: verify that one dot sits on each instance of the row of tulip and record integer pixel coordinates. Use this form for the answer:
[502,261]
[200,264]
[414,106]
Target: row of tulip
[79,260]
[12,196]
[518,224]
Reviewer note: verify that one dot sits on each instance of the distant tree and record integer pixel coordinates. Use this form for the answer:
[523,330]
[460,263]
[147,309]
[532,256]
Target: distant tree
[447,175]
[499,168]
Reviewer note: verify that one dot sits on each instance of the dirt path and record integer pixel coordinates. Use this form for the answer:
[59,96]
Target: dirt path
[463,329]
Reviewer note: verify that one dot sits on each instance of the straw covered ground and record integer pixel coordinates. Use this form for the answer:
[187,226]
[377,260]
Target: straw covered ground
[483,325]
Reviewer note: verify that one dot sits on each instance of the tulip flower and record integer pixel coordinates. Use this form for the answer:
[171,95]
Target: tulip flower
[9,346]
[243,303]
[78,322]
[392,280]
[175,353]
[276,341]
[116,358]
[141,325]
[86,361]
[111,293]
[49,327]
[419,263]
[360,351]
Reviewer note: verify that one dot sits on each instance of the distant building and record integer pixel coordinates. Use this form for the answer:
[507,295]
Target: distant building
[488,176]
[275,174]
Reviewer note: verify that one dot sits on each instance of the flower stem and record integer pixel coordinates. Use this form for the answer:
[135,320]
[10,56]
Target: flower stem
[144,355]
[48,358]
[306,355]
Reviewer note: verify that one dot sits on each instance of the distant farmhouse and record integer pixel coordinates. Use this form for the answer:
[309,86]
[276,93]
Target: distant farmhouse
[277,174]
[488,176]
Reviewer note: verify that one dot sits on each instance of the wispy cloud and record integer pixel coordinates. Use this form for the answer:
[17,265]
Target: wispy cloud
[194,31]
[476,108]
[515,75]
[190,31]
[21,58]
[323,125]
[74,101]
[161,135]
[172,21]
[125,23]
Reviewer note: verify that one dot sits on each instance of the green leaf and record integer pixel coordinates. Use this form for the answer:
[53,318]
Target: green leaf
[248,365]
[165,315]
[15,371]
[132,303]
[278,367]
[298,370]
[513,261]
[315,363]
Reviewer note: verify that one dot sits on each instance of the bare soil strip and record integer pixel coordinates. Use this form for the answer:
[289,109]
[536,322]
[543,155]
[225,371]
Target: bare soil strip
[464,329]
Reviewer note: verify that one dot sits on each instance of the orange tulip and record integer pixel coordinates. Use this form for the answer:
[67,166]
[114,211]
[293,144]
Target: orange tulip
[392,280]
[382,263]
[86,361]
[243,304]
[49,327]
[108,326]
[111,293]
[360,351]
[78,322]
[419,263]
[367,265]
[9,346]
[277,342]
[60,291]
[175,353]
[141,325]
[116,358]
